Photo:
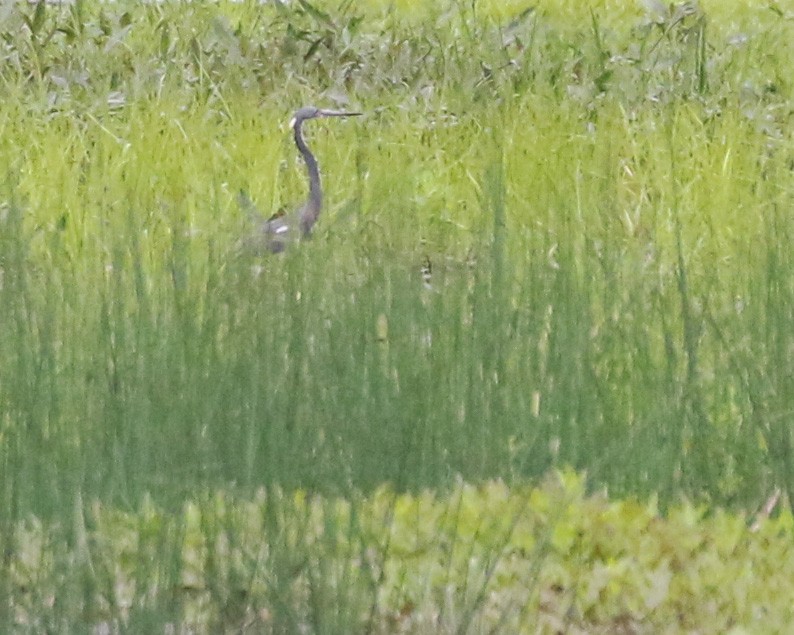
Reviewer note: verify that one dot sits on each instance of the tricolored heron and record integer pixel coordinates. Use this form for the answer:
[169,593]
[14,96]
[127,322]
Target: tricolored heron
[281,229]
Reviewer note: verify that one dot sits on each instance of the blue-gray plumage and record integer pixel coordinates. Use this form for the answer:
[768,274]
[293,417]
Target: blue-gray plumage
[281,229]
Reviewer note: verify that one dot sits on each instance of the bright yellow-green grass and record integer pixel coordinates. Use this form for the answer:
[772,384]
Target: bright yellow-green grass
[479,559]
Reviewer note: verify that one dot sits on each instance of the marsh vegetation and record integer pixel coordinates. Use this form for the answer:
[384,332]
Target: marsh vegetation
[604,196]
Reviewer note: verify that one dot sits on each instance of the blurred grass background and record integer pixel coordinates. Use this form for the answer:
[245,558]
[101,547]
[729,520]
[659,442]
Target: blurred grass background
[604,195]
[608,236]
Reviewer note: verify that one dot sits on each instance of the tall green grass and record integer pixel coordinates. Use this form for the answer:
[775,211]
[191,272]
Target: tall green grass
[611,281]
[606,205]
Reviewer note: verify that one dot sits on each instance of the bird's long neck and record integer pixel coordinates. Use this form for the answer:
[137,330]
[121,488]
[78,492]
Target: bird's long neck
[312,209]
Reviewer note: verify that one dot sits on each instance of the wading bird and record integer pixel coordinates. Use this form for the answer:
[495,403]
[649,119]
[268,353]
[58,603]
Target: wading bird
[282,229]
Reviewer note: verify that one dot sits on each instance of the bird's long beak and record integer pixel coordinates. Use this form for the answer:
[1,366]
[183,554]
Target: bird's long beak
[339,113]
[325,113]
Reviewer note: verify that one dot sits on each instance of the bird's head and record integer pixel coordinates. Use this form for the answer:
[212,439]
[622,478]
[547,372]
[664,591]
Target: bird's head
[311,112]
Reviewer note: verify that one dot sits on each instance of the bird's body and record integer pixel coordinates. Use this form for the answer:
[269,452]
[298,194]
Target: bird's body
[282,229]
